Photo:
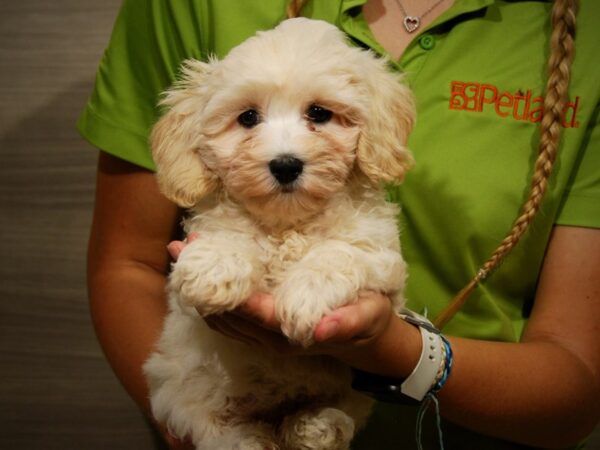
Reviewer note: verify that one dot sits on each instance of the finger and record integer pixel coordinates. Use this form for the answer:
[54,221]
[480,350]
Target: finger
[362,320]
[173,442]
[174,248]
[272,340]
[220,324]
[256,331]
[178,444]
[260,309]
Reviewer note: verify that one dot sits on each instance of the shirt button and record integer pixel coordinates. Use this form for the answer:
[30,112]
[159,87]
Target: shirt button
[427,42]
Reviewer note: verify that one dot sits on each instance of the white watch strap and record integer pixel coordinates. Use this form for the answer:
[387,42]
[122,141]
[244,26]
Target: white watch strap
[422,378]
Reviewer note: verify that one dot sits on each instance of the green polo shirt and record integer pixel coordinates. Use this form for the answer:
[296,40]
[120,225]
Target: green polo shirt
[478,73]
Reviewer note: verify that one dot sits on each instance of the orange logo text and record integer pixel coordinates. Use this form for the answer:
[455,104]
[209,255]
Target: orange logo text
[480,97]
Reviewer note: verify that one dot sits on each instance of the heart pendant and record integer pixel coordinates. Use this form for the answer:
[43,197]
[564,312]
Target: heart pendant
[411,23]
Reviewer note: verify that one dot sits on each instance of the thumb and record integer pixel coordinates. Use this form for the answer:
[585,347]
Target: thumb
[364,319]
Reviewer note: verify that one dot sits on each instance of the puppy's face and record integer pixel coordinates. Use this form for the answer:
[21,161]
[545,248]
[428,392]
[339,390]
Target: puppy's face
[282,143]
[279,122]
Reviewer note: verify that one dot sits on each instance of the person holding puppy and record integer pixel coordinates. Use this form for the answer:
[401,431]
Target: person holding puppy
[526,359]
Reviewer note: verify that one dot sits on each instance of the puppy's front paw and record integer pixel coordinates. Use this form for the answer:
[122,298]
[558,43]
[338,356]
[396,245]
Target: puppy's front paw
[213,282]
[306,296]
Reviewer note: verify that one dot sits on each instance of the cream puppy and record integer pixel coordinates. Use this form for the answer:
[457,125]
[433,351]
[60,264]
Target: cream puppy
[279,150]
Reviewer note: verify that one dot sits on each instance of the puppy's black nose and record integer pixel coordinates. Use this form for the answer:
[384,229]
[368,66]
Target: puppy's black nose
[286,168]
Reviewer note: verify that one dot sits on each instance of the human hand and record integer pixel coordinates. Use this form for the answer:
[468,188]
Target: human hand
[351,333]
[363,334]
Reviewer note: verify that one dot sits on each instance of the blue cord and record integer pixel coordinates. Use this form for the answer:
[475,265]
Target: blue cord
[431,398]
[447,367]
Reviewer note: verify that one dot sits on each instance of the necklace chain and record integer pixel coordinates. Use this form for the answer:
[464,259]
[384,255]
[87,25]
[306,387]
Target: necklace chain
[412,23]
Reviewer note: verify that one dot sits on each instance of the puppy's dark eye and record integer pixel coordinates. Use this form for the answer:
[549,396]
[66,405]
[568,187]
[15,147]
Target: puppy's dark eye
[249,118]
[318,114]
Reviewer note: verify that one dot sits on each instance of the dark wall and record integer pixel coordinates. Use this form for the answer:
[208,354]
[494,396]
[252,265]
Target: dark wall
[56,389]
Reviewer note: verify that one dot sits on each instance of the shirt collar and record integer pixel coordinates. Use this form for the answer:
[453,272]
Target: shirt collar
[458,8]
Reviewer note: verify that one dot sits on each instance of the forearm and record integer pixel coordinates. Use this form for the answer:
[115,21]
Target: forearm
[535,393]
[549,383]
[127,267]
[127,303]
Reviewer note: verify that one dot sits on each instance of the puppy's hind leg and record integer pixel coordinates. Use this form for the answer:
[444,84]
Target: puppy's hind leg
[246,436]
[319,429]
[326,428]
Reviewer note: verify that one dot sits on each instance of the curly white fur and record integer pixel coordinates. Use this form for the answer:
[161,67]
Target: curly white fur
[313,244]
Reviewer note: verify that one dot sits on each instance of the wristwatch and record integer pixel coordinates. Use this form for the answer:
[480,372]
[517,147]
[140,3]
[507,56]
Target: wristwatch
[415,387]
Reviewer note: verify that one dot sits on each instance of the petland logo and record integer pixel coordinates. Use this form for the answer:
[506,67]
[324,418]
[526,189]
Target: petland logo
[480,97]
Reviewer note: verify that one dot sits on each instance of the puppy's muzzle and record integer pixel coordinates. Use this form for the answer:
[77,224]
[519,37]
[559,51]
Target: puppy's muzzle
[286,169]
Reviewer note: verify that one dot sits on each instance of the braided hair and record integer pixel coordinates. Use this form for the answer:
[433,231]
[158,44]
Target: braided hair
[562,52]
[294,7]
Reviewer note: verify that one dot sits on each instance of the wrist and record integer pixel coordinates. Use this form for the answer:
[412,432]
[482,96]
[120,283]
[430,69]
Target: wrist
[395,352]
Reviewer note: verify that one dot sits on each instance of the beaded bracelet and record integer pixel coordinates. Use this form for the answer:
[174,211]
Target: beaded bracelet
[445,368]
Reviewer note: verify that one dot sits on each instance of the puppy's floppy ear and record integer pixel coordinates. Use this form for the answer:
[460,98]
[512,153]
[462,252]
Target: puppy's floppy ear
[382,154]
[176,140]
